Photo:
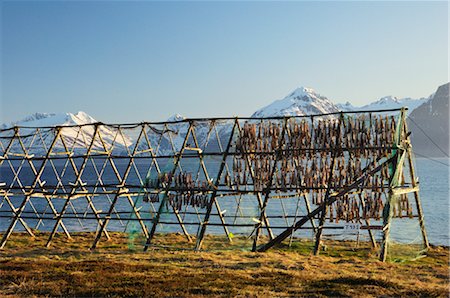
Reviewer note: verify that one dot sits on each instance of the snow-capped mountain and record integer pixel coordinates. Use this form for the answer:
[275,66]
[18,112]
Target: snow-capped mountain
[175,118]
[302,101]
[52,119]
[386,103]
[345,107]
[306,101]
[167,139]
[74,137]
[393,102]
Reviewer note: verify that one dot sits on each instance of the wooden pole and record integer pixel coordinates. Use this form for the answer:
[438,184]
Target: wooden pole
[11,205]
[269,183]
[155,220]
[258,194]
[28,194]
[397,170]
[202,230]
[41,185]
[334,152]
[78,182]
[414,184]
[369,230]
[324,209]
[121,187]
[205,172]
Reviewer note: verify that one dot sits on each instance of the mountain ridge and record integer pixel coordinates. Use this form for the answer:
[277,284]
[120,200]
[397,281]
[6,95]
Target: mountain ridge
[301,101]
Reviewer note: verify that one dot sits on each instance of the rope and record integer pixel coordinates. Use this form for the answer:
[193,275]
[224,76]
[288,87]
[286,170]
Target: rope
[420,128]
[431,159]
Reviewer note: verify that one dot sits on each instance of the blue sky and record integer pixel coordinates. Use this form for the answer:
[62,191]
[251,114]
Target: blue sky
[134,61]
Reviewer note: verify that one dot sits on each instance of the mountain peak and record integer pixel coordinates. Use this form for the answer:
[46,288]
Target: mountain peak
[302,91]
[81,118]
[388,98]
[37,116]
[393,102]
[301,101]
[53,119]
[176,117]
[345,107]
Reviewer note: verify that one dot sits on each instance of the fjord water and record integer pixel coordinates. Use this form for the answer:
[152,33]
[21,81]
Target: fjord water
[434,191]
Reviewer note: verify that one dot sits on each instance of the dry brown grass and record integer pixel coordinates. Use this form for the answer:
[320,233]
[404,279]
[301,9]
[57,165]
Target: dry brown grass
[68,268]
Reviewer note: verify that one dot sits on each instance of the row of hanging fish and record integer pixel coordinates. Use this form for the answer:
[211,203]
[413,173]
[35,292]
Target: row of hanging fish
[184,190]
[402,207]
[302,138]
[178,200]
[160,182]
[368,137]
[313,174]
[352,208]
[370,205]
[182,180]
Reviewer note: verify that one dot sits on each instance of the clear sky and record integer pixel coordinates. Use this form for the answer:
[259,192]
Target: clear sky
[134,61]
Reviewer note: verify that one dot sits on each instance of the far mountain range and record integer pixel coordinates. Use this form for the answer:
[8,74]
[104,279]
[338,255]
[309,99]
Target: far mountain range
[428,117]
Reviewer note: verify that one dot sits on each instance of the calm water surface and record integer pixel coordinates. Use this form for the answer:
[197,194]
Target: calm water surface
[434,192]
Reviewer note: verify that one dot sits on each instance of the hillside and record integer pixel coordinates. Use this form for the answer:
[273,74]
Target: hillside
[431,119]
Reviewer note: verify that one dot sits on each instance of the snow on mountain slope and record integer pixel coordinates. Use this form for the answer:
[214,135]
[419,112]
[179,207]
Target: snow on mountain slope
[392,102]
[174,134]
[175,117]
[345,107]
[74,137]
[52,119]
[302,101]
[386,103]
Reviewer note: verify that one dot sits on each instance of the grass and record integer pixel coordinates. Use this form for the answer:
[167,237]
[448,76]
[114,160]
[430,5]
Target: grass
[69,269]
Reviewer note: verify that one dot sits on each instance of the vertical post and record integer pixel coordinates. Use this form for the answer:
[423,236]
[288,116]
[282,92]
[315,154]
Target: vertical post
[205,172]
[308,209]
[24,224]
[78,183]
[105,222]
[177,158]
[308,206]
[278,153]
[5,154]
[28,194]
[122,182]
[49,202]
[372,238]
[412,173]
[324,205]
[387,218]
[397,168]
[417,199]
[258,194]
[201,233]
[154,160]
